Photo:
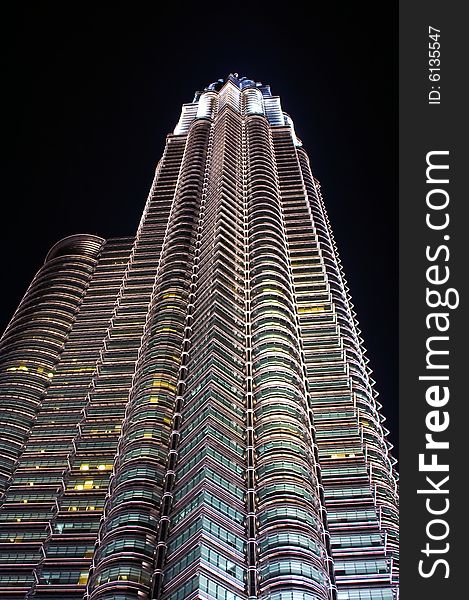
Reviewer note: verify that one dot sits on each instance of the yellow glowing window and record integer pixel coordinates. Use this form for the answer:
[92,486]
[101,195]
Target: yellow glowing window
[84,467]
[154,400]
[90,508]
[311,309]
[118,427]
[72,508]
[104,467]
[167,420]
[18,520]
[338,455]
[88,485]
[122,577]
[164,384]
[40,369]
[19,368]
[83,579]
[50,375]
[147,435]
[25,501]
[79,486]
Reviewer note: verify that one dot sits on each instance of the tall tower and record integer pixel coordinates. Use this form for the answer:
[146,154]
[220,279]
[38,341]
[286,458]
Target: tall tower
[189,413]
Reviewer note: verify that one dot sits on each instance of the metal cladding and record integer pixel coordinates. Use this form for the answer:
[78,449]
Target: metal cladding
[189,413]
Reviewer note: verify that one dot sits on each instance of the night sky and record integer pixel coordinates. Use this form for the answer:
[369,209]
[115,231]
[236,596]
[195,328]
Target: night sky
[89,95]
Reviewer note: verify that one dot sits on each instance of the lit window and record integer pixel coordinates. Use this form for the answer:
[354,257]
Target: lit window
[83,579]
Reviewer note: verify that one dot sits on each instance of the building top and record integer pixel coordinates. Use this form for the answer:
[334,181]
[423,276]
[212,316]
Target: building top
[241,82]
[245,96]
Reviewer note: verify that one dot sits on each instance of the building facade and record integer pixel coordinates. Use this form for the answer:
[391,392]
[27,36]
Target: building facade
[189,413]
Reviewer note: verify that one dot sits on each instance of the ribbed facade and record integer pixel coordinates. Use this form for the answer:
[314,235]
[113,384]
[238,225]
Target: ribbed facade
[189,413]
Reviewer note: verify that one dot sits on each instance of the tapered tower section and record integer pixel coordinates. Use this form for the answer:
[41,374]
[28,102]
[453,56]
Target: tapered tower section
[189,413]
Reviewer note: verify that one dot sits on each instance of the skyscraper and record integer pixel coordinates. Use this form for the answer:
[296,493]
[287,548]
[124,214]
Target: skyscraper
[189,413]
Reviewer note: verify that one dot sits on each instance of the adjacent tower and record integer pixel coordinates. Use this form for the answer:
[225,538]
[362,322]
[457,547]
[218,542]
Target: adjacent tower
[189,413]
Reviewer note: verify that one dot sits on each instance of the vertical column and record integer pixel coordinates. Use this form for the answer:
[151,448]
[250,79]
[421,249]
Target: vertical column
[207,542]
[252,104]
[289,506]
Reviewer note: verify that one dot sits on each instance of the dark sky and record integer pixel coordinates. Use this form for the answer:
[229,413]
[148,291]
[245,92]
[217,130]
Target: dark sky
[89,95]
